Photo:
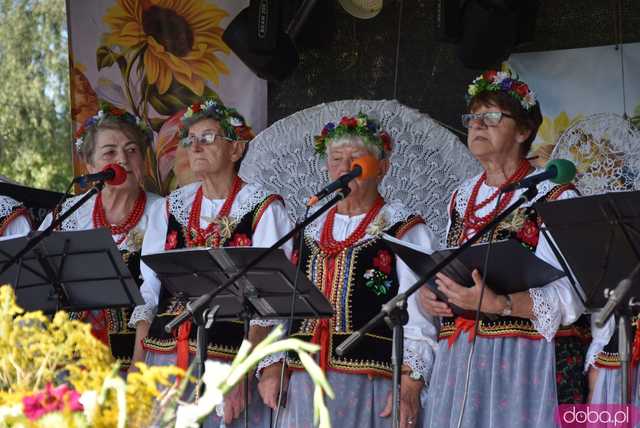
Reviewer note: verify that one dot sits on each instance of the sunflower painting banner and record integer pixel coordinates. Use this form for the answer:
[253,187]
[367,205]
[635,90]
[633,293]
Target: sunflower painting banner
[154,58]
[579,89]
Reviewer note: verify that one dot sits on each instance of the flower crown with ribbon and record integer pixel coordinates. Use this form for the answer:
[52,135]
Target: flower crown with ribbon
[231,122]
[502,81]
[360,126]
[105,111]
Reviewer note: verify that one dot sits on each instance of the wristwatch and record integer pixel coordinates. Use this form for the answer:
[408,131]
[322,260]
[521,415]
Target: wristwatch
[413,374]
[506,312]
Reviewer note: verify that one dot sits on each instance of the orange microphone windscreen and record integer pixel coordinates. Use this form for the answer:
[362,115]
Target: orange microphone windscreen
[369,164]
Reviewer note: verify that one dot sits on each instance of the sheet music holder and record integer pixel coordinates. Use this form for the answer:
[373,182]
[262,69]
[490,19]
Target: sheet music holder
[599,237]
[192,272]
[74,271]
[514,267]
[31,196]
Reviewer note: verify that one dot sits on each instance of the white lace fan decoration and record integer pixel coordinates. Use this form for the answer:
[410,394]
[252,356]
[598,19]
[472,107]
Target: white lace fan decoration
[606,150]
[427,162]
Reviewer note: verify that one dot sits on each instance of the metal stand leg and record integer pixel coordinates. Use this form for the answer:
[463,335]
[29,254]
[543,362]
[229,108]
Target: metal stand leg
[204,321]
[397,318]
[246,378]
[624,345]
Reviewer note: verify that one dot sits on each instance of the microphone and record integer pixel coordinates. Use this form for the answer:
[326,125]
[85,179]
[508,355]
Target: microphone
[559,171]
[112,174]
[364,167]
[616,297]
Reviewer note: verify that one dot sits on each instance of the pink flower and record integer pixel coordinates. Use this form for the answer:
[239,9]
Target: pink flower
[51,400]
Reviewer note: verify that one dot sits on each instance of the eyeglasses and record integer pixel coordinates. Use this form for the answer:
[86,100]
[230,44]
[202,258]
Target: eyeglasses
[489,118]
[205,139]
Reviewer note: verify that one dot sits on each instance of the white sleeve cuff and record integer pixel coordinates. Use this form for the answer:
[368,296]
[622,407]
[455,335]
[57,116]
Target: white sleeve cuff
[546,311]
[144,312]
[419,355]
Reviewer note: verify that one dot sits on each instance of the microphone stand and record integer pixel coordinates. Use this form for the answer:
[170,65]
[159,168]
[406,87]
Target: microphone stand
[203,301]
[199,311]
[36,239]
[394,312]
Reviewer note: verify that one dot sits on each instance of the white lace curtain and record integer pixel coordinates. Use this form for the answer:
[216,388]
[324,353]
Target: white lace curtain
[427,163]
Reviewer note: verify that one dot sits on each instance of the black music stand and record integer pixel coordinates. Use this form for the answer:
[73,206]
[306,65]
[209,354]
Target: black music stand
[71,271]
[264,292]
[518,268]
[600,239]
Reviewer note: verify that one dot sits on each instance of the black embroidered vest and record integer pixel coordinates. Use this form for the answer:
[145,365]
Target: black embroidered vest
[225,338]
[364,278]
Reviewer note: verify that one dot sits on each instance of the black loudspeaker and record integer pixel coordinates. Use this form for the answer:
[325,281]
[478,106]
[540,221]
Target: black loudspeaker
[493,28]
[449,20]
[264,16]
[267,49]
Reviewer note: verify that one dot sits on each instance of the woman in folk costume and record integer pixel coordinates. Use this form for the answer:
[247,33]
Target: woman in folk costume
[14,218]
[221,210]
[114,136]
[530,357]
[344,255]
[603,363]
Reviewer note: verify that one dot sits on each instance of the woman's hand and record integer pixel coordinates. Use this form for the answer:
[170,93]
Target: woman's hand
[468,297]
[269,384]
[409,402]
[234,403]
[432,305]
[592,376]
[142,330]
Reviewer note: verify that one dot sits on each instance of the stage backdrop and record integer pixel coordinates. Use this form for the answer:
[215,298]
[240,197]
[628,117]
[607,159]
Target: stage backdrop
[154,58]
[575,84]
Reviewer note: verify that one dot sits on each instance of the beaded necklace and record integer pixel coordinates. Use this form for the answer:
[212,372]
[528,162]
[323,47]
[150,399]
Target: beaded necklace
[330,246]
[213,229]
[472,222]
[100,219]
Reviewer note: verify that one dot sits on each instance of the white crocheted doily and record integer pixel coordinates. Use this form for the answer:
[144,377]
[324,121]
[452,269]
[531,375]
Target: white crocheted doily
[427,162]
[606,150]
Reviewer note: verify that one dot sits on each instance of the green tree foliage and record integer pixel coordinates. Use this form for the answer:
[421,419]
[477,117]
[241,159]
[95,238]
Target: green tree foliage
[35,130]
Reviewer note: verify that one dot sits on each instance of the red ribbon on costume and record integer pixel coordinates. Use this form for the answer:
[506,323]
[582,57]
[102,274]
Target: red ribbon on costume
[99,327]
[321,334]
[635,353]
[462,324]
[182,344]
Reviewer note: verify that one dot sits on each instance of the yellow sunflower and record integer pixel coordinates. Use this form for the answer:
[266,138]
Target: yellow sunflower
[180,39]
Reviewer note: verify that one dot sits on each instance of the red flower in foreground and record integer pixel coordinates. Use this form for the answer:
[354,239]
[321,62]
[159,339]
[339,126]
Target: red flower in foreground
[382,262]
[196,108]
[51,400]
[172,240]
[240,240]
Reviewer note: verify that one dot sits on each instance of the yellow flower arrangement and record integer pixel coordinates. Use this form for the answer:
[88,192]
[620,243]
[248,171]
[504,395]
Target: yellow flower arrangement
[55,373]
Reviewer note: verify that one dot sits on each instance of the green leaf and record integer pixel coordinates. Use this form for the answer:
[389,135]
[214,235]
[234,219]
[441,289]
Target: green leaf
[177,97]
[105,57]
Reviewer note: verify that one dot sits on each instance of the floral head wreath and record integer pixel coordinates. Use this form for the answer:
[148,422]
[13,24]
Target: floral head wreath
[496,81]
[360,126]
[105,111]
[231,122]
